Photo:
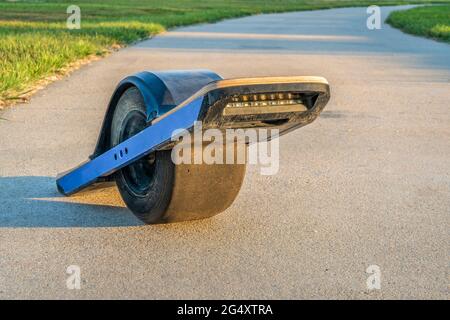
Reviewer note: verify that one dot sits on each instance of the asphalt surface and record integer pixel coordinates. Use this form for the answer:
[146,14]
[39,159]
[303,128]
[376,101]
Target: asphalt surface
[368,183]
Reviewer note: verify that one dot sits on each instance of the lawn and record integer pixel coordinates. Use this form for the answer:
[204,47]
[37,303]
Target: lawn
[35,43]
[429,21]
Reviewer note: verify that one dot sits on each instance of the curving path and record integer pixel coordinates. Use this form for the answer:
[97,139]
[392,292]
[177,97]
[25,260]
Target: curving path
[367,183]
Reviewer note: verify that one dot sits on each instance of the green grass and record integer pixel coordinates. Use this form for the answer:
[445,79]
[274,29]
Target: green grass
[429,21]
[35,43]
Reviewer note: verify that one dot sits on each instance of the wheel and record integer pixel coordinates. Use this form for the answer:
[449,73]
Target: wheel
[145,185]
[158,191]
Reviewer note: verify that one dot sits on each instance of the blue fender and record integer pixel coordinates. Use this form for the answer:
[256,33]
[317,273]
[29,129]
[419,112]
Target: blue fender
[161,92]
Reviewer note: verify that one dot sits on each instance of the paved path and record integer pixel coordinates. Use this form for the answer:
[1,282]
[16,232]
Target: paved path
[367,184]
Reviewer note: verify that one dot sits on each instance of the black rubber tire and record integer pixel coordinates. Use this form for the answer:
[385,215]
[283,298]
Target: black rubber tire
[145,185]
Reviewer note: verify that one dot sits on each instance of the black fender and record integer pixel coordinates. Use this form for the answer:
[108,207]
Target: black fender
[161,91]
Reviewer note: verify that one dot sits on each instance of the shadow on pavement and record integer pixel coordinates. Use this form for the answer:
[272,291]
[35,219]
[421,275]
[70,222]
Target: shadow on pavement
[33,202]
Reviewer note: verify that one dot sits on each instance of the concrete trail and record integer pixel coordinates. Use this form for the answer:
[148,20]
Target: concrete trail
[366,184]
